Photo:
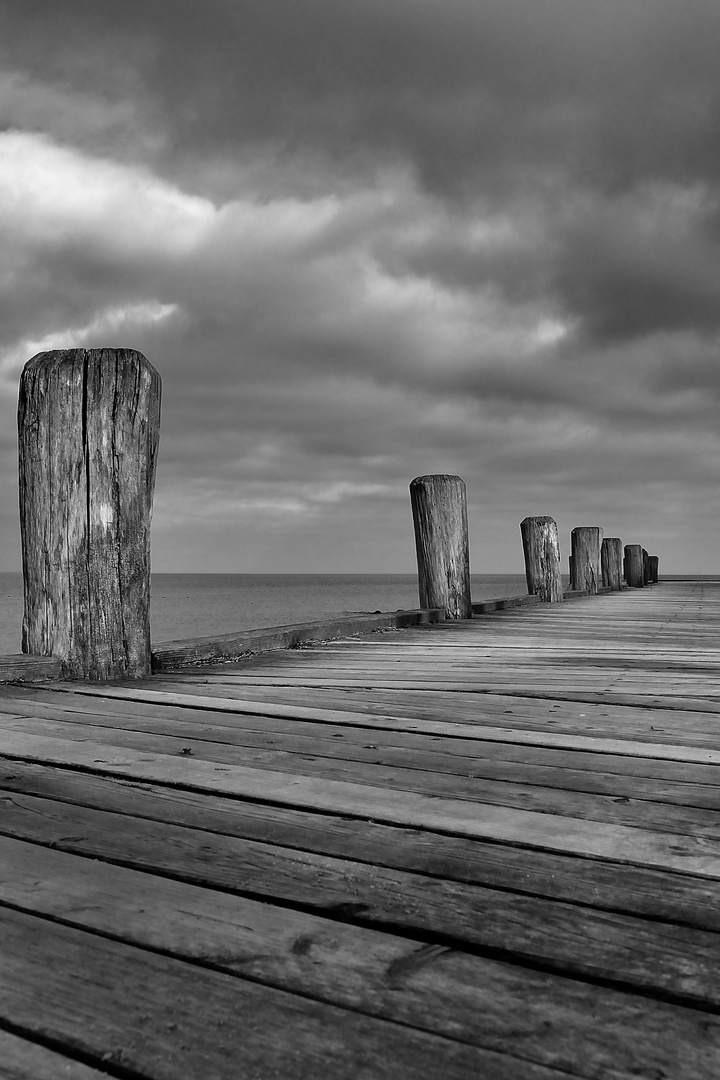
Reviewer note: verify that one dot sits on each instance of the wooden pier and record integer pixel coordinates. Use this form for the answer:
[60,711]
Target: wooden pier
[487,848]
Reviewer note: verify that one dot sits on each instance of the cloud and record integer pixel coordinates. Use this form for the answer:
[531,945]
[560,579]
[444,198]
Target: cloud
[374,240]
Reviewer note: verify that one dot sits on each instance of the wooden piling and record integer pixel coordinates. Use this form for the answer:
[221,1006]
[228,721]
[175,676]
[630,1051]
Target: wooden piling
[653,563]
[634,565]
[646,567]
[585,544]
[88,425]
[611,563]
[541,549]
[439,509]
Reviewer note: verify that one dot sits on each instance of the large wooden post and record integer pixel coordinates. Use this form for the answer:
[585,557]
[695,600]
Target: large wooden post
[88,424]
[439,509]
[634,565]
[541,549]
[654,560]
[611,563]
[585,544]
[646,567]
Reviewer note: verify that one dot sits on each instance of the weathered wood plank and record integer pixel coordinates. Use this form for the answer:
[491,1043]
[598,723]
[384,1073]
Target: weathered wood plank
[19,667]
[625,951]
[669,896]
[166,1018]
[618,804]
[473,999]
[176,655]
[361,833]
[687,784]
[698,748]
[689,854]
[25,1060]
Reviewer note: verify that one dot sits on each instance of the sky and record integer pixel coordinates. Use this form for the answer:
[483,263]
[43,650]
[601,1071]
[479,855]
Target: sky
[366,240]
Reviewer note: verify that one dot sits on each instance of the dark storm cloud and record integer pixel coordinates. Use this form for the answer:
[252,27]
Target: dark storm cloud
[363,239]
[465,89]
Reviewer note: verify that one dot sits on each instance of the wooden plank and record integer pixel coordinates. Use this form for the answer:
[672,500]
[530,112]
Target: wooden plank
[656,894]
[255,690]
[629,953]
[396,707]
[688,854]
[617,804]
[603,719]
[644,778]
[165,1018]
[558,897]
[583,1027]
[171,655]
[667,751]
[392,708]
[25,1060]
[19,666]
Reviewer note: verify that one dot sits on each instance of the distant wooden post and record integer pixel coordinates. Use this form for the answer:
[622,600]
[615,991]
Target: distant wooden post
[439,509]
[634,566]
[646,567]
[654,560]
[585,543]
[611,563]
[541,549]
[88,425]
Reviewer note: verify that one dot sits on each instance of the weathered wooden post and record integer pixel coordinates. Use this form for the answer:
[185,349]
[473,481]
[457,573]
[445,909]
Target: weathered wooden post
[88,425]
[634,566]
[654,561]
[585,544]
[541,549]
[646,567]
[439,509]
[611,563]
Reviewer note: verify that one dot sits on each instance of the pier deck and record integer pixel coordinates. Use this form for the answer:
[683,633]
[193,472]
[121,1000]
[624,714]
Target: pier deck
[481,849]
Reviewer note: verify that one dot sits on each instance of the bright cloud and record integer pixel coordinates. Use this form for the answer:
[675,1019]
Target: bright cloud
[468,237]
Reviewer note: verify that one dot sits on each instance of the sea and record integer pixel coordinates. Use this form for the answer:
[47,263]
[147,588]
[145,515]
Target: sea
[201,605]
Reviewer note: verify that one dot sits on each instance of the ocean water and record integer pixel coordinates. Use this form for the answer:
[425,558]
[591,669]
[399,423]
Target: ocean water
[200,605]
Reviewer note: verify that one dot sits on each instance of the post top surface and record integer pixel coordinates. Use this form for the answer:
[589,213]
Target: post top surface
[433,477]
[95,357]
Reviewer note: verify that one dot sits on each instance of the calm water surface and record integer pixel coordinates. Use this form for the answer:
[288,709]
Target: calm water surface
[198,605]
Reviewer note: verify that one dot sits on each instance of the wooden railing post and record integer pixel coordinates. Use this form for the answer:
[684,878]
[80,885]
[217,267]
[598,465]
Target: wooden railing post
[439,509]
[88,425]
[541,549]
[654,560]
[611,563]
[634,566]
[585,544]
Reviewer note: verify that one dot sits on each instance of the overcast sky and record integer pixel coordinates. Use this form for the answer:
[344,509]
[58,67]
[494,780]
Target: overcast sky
[363,240]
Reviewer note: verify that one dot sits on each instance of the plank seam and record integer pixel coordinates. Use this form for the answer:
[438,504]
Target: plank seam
[350,914]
